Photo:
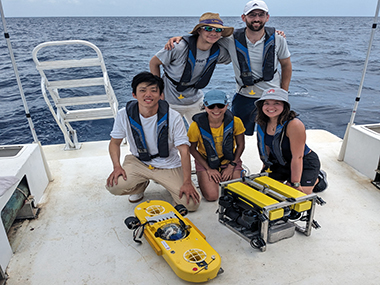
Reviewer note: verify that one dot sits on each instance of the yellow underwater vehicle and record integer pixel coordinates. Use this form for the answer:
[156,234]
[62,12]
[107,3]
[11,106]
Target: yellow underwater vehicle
[176,239]
[262,210]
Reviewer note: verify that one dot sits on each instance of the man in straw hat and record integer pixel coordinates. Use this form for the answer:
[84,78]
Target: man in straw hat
[256,51]
[188,67]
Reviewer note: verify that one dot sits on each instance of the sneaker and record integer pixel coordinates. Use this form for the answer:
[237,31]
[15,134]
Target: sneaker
[322,182]
[136,197]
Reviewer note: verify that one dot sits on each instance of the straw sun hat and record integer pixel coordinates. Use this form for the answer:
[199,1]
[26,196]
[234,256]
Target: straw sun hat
[212,20]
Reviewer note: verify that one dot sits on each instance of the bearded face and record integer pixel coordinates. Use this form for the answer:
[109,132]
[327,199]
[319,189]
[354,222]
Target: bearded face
[256,20]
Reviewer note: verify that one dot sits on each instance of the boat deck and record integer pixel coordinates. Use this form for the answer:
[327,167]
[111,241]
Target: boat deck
[80,236]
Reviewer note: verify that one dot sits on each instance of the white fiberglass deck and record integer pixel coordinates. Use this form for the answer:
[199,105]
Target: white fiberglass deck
[80,237]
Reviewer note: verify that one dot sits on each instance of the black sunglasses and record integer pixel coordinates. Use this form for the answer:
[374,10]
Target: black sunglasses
[220,106]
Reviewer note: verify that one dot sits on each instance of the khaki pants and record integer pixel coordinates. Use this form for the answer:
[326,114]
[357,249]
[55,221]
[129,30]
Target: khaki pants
[138,174]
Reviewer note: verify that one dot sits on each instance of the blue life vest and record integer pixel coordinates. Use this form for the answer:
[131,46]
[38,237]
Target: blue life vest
[133,114]
[208,141]
[268,68]
[187,74]
[277,145]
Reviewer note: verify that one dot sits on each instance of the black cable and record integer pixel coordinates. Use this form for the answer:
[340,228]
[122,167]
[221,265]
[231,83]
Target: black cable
[257,242]
[142,227]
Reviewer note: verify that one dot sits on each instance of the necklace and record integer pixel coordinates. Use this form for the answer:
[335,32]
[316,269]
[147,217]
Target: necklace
[272,127]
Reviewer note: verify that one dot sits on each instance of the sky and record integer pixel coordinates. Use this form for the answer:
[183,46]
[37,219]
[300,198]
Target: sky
[64,8]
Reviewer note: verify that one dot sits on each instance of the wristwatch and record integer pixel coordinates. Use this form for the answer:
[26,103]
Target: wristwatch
[295,184]
[233,163]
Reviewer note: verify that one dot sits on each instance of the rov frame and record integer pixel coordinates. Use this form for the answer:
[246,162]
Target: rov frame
[262,210]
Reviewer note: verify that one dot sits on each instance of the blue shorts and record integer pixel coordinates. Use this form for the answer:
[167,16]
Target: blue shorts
[245,108]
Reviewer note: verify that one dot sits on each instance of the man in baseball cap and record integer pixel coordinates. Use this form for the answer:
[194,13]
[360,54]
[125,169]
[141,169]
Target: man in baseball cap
[249,47]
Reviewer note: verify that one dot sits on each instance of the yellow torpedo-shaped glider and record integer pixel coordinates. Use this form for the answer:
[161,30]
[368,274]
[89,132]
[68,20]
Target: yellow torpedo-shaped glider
[177,240]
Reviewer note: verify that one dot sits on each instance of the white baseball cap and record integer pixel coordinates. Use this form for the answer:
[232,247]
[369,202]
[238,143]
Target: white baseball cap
[255,4]
[278,94]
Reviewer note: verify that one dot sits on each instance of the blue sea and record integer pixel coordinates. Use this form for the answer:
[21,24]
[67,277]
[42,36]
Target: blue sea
[328,55]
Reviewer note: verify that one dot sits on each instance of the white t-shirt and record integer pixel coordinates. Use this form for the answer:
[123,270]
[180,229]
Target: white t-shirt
[256,59]
[174,62]
[177,136]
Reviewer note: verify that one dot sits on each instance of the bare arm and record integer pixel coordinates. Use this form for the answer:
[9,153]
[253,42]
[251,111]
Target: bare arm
[297,137]
[286,73]
[240,145]
[114,151]
[187,188]
[154,66]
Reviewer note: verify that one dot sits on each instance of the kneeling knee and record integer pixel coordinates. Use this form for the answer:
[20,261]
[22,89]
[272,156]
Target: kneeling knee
[192,207]
[211,198]
[115,190]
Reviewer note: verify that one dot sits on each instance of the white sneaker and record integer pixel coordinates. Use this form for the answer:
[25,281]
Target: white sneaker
[136,197]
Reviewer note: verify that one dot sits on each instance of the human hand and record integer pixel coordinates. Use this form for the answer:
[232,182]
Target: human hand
[112,179]
[227,173]
[189,190]
[281,33]
[299,188]
[214,175]
[170,44]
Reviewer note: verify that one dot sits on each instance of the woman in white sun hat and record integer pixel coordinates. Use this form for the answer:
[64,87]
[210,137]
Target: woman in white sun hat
[281,139]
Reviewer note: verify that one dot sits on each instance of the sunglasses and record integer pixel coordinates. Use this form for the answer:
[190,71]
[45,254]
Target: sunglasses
[220,106]
[210,29]
[260,15]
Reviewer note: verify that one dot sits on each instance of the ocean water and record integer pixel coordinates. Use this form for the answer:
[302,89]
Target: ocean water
[328,55]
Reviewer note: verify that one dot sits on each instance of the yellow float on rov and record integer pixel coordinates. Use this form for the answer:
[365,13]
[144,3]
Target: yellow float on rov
[176,239]
[261,209]
[285,190]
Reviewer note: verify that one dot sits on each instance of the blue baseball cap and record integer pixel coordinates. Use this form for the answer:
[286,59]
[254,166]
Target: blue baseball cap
[215,97]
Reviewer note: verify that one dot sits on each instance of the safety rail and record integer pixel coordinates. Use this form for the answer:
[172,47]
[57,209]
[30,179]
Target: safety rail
[107,104]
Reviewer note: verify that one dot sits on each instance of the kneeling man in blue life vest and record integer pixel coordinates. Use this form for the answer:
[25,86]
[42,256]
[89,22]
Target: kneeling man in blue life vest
[217,143]
[156,135]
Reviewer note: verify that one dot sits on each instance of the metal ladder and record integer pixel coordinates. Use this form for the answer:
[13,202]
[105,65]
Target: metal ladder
[75,104]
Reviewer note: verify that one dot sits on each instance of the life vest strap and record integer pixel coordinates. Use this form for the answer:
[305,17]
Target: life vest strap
[255,81]
[176,83]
